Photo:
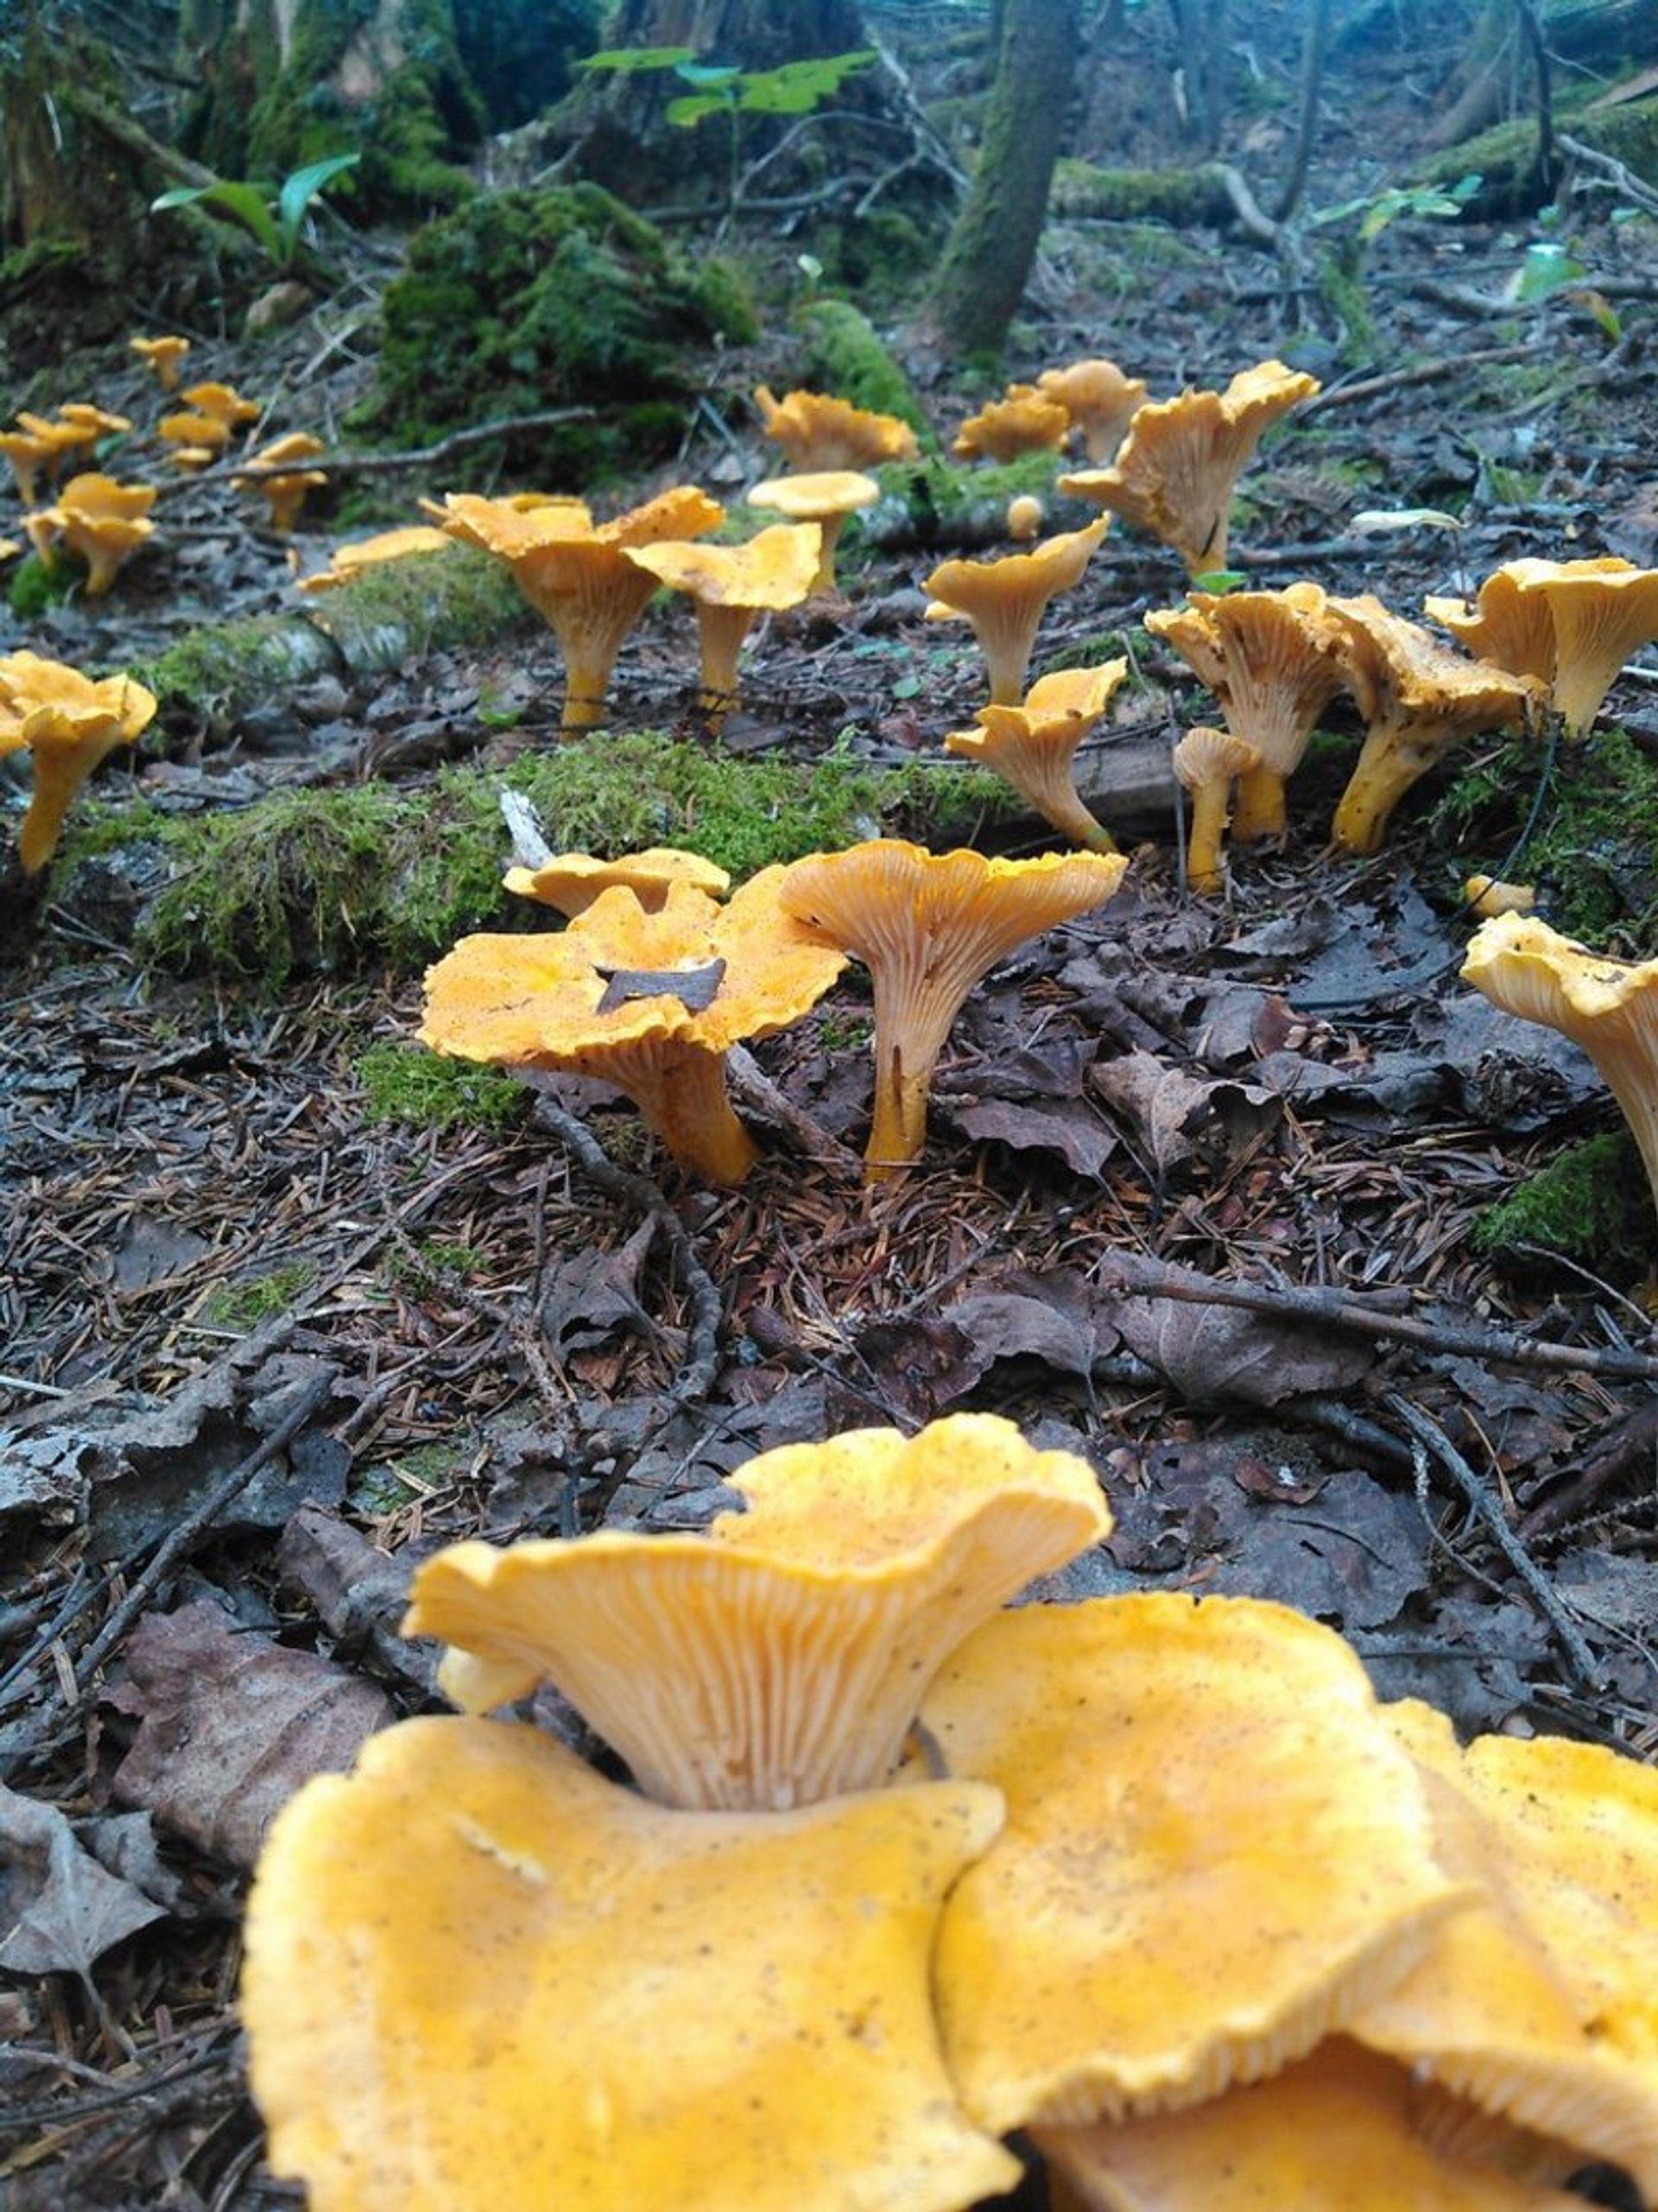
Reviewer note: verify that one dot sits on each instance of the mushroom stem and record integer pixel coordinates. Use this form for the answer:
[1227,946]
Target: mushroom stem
[686,1103]
[1386,769]
[720,631]
[1077,823]
[912,1021]
[1205,871]
[1261,811]
[589,664]
[824,581]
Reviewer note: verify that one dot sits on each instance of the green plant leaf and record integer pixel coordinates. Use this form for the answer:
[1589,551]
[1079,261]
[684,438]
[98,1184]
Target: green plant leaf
[1547,268]
[707,76]
[798,86]
[694,106]
[300,190]
[243,203]
[1219,580]
[627,60]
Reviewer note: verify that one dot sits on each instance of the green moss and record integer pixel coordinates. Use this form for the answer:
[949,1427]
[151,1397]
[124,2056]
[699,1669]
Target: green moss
[36,585]
[529,301]
[408,1087]
[943,495]
[844,353]
[211,669]
[458,597]
[244,1305]
[1590,1205]
[328,881]
[98,827]
[1185,197]
[1595,847]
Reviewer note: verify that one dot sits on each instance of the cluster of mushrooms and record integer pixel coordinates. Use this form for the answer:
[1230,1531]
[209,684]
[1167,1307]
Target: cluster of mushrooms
[1156,1883]
[103,522]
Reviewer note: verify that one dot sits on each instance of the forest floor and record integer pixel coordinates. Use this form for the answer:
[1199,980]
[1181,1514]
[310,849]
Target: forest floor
[264,1350]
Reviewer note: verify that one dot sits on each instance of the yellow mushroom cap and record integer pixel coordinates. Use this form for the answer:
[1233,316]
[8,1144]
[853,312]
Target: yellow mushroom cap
[95,421]
[164,355]
[1034,744]
[510,528]
[1005,599]
[539,1002]
[1100,399]
[1174,473]
[780,1659]
[29,456]
[1609,1007]
[1513,628]
[223,402]
[104,522]
[1334,2130]
[571,881]
[480,1976]
[819,432]
[1273,659]
[1025,517]
[1215,1851]
[347,561]
[1486,896]
[1022,420]
[1601,612]
[928,927]
[196,432]
[1205,757]
[774,569]
[827,497]
[1535,2002]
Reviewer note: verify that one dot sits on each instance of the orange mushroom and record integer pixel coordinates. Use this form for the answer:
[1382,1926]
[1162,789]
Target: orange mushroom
[70,723]
[163,357]
[730,586]
[1419,701]
[284,493]
[829,497]
[570,881]
[820,433]
[1208,761]
[650,1002]
[1023,420]
[1100,399]
[1572,623]
[1174,474]
[577,575]
[1035,744]
[346,563]
[1275,661]
[1006,601]
[928,927]
[102,522]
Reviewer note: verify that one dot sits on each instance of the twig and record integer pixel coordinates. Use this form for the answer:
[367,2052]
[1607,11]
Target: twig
[1422,372]
[341,463]
[1142,1278]
[1627,182]
[1584,1667]
[176,1544]
[1632,1441]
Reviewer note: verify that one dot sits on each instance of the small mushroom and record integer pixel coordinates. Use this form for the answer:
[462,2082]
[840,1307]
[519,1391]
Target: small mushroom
[347,562]
[1006,601]
[70,723]
[30,457]
[223,403]
[780,1657]
[284,493]
[829,497]
[1215,1853]
[1573,624]
[732,584]
[163,357]
[577,575]
[1275,661]
[1100,399]
[1609,1007]
[1025,518]
[695,978]
[1174,473]
[822,434]
[928,927]
[1034,745]
[1023,420]
[570,881]
[102,522]
[480,1976]
[1208,761]
[1419,701]
[197,440]
[1486,896]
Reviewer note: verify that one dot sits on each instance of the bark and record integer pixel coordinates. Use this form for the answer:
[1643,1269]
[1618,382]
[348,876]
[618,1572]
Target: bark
[988,258]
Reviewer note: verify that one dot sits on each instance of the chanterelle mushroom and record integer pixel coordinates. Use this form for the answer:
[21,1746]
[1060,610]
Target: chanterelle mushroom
[1215,1851]
[1572,623]
[1175,471]
[1100,399]
[70,724]
[577,575]
[480,1978]
[1034,745]
[1609,1007]
[1208,763]
[1418,700]
[1274,660]
[829,497]
[729,585]
[780,1657]
[928,927]
[1006,601]
[570,881]
[1023,420]
[820,433]
[650,1002]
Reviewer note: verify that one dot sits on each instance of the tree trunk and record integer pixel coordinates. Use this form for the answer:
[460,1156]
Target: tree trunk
[753,34]
[987,260]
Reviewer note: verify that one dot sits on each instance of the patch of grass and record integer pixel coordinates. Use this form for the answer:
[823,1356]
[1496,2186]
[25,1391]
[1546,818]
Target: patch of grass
[409,1088]
[244,1305]
[1590,1205]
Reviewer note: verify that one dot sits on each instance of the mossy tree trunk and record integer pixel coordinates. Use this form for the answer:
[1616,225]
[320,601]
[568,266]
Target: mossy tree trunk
[987,260]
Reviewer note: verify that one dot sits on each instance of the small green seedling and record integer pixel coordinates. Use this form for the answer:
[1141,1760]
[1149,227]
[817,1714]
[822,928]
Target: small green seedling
[276,226]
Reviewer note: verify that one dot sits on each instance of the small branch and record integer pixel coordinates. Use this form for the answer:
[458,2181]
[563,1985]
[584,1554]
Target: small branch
[349,464]
[1585,1668]
[1629,185]
[1141,1278]
[1424,373]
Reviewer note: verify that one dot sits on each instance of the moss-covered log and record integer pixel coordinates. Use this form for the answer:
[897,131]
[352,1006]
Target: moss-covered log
[1185,198]
[1505,158]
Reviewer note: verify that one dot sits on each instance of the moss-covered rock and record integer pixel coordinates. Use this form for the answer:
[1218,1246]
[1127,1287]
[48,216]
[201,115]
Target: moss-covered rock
[843,353]
[529,301]
[1180,196]
[1590,1205]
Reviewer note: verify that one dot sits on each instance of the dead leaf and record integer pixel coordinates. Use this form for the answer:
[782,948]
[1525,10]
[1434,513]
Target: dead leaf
[918,1367]
[61,1910]
[1069,1126]
[1030,1316]
[231,1725]
[1179,1116]
[592,1294]
[1206,1352]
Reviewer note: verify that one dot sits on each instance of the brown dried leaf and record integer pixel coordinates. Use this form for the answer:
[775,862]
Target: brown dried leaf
[1178,1116]
[58,1909]
[231,1725]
